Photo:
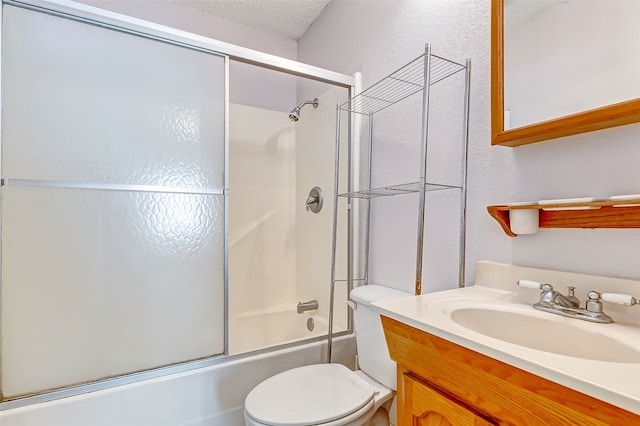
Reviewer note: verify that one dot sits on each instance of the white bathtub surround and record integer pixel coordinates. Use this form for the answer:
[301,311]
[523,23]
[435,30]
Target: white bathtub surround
[262,329]
[261,217]
[611,377]
[280,254]
[211,396]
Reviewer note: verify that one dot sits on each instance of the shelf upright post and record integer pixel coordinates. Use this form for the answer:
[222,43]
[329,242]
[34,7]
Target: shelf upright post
[351,210]
[368,220]
[423,167]
[463,181]
[334,238]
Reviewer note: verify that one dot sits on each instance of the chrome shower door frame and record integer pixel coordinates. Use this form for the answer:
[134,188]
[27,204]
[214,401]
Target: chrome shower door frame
[114,21]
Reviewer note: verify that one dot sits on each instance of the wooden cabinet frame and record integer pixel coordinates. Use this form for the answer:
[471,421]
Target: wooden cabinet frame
[499,391]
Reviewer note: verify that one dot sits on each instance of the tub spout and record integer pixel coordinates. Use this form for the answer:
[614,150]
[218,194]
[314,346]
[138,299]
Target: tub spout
[307,306]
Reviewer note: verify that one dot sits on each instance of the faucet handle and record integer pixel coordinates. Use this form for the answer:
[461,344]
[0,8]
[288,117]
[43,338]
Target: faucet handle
[594,302]
[314,201]
[548,294]
[532,285]
[622,299]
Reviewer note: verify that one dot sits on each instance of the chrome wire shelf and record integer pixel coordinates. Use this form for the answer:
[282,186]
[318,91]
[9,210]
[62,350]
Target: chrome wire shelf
[400,84]
[388,191]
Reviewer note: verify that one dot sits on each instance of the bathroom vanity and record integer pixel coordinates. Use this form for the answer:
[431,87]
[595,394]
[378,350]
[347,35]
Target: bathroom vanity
[460,373]
[440,380]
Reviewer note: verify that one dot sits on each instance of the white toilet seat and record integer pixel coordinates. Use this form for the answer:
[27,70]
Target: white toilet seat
[345,421]
[321,394]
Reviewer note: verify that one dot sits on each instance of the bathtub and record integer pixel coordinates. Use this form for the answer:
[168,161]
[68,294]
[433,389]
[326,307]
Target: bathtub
[207,396]
[262,329]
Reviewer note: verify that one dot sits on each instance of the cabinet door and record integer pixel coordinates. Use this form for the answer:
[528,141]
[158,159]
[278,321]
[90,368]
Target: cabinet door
[422,405]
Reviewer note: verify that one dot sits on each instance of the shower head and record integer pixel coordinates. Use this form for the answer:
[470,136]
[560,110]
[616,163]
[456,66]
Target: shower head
[294,115]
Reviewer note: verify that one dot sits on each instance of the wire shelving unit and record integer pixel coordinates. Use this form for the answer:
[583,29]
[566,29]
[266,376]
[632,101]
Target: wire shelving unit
[417,76]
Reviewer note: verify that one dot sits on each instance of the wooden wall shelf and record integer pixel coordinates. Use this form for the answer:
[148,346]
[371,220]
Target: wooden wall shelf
[602,214]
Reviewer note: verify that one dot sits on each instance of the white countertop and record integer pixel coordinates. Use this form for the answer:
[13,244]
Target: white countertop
[617,383]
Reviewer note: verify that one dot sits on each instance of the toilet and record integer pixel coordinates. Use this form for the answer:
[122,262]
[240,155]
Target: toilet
[332,394]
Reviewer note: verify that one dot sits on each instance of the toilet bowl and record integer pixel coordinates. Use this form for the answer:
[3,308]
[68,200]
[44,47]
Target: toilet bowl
[321,394]
[332,394]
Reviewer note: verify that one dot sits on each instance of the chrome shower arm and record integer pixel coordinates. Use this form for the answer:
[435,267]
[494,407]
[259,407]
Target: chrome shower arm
[315,102]
[294,115]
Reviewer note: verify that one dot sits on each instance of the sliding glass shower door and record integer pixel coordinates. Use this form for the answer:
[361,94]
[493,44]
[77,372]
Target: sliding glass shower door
[113,202]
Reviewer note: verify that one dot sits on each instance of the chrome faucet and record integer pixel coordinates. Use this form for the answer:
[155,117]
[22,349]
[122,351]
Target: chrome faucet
[307,306]
[550,297]
[569,306]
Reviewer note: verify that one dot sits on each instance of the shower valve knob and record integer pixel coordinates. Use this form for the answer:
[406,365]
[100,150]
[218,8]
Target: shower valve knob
[314,201]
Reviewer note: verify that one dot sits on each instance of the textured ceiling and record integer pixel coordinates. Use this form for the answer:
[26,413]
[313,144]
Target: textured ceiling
[288,18]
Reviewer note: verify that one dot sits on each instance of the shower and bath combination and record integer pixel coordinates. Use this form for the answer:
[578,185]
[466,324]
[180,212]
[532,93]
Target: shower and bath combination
[294,115]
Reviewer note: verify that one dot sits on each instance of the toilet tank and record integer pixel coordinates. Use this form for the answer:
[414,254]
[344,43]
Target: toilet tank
[373,355]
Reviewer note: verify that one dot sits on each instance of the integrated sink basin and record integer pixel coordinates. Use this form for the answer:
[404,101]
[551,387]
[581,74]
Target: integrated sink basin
[496,318]
[555,335]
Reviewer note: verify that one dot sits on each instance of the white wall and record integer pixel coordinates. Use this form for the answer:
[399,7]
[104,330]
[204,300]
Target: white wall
[378,36]
[249,85]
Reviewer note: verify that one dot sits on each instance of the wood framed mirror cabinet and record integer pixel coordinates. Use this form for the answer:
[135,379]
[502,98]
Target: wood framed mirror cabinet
[587,120]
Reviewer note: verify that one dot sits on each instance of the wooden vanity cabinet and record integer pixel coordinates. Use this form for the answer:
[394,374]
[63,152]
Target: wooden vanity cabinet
[424,405]
[441,383]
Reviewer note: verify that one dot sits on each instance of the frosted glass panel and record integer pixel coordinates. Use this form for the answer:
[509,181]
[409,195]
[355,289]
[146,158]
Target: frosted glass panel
[83,103]
[101,283]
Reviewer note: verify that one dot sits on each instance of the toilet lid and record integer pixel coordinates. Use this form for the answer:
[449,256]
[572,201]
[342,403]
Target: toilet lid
[308,395]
